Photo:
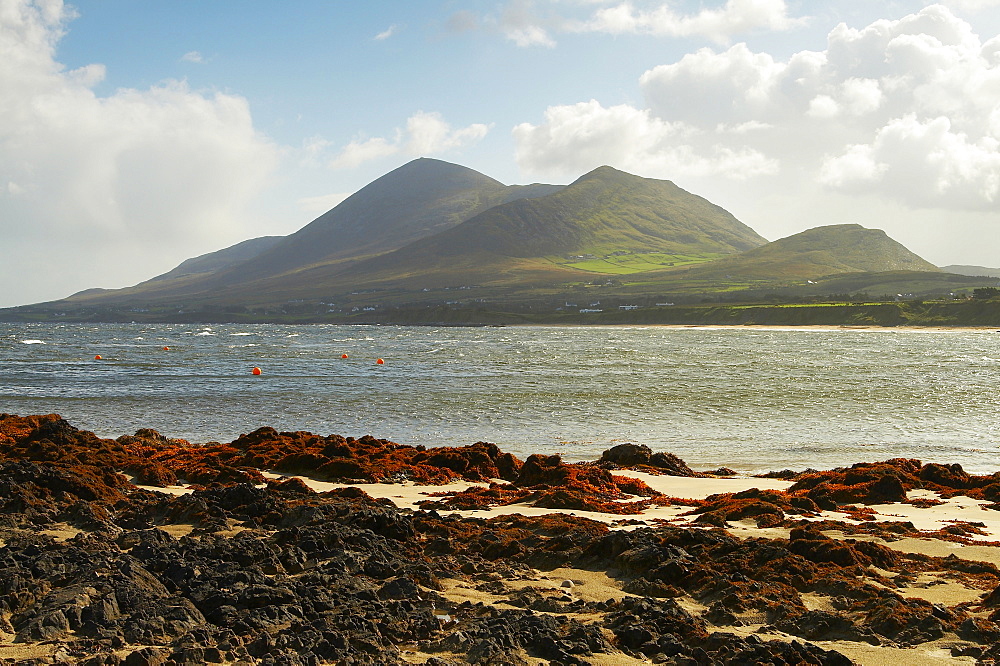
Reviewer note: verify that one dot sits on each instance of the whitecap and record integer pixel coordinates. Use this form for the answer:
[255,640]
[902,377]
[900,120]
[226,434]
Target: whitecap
[32,342]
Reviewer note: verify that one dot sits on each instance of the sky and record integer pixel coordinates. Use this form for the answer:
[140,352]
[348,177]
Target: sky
[134,135]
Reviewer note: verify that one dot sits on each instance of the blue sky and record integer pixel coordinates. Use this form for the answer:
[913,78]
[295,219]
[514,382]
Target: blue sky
[136,135]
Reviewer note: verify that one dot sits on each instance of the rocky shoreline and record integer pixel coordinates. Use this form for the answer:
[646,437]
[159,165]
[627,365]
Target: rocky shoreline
[277,549]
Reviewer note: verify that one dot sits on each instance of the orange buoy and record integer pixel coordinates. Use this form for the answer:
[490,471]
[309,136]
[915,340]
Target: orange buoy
[380,362]
[255,371]
[97,358]
[166,349]
[343,356]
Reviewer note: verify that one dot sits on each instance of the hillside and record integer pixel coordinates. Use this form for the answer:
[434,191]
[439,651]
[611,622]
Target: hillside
[603,211]
[814,254]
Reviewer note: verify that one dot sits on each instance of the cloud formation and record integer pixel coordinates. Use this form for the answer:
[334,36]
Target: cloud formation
[908,109]
[108,175]
[631,139]
[530,23]
[387,33]
[426,133]
[720,25]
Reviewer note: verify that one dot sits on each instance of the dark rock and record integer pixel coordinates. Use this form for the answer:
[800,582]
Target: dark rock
[147,656]
[627,454]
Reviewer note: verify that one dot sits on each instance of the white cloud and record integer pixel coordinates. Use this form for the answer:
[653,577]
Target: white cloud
[906,109]
[923,162]
[193,56]
[971,5]
[358,152]
[387,33]
[536,22]
[530,35]
[425,134]
[110,175]
[734,86]
[857,166]
[719,25]
[580,137]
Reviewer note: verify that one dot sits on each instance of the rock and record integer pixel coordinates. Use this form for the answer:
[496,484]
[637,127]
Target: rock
[627,454]
[640,455]
[147,656]
[399,588]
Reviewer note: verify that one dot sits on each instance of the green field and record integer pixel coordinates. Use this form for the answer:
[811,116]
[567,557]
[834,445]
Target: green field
[633,262]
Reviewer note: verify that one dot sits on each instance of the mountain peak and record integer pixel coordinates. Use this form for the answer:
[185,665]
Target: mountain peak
[609,174]
[431,167]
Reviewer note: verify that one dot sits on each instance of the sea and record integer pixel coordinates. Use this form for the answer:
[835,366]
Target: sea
[751,399]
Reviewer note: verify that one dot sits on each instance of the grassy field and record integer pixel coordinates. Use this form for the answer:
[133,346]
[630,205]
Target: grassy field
[634,262]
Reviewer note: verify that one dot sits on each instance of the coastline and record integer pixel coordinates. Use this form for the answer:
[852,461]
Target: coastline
[947,313]
[316,549]
[772,327]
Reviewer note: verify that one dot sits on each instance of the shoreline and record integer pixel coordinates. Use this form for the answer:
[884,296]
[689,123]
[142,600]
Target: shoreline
[764,327]
[888,313]
[565,324]
[316,549]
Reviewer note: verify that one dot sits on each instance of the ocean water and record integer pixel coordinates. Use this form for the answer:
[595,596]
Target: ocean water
[750,399]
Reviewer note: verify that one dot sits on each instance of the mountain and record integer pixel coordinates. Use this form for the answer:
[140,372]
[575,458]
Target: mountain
[975,271]
[430,226]
[816,253]
[431,220]
[604,213]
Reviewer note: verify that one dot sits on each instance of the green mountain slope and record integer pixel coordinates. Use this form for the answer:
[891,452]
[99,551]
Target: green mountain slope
[813,254]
